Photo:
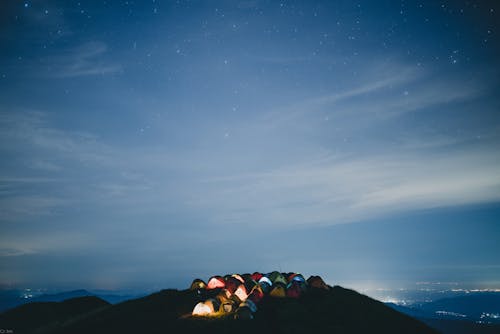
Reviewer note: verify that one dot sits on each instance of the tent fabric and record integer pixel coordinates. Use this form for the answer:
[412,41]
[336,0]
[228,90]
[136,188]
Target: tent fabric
[228,307]
[198,284]
[256,287]
[272,276]
[238,277]
[280,279]
[215,304]
[277,277]
[202,309]
[227,304]
[296,277]
[250,284]
[266,280]
[225,293]
[208,307]
[317,282]
[224,296]
[297,280]
[216,282]
[256,276]
[278,290]
[256,295]
[265,284]
[241,293]
[247,277]
[232,284]
[294,290]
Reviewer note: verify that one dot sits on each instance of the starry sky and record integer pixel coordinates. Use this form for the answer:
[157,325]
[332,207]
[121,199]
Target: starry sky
[145,143]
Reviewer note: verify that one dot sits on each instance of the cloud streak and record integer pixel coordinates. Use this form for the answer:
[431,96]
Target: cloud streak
[347,190]
[84,60]
[312,184]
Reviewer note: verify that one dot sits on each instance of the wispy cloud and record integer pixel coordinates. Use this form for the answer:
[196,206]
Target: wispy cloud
[33,131]
[324,179]
[84,60]
[345,190]
[386,90]
[17,251]
[313,183]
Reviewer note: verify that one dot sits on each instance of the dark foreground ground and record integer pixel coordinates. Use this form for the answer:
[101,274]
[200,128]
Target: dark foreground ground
[318,311]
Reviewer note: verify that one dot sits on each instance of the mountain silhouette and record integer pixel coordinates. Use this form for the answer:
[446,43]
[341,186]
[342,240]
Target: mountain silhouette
[42,317]
[336,310]
[13,298]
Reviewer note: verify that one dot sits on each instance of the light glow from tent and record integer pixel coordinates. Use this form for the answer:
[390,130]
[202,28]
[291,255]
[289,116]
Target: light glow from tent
[215,283]
[239,278]
[202,309]
[241,293]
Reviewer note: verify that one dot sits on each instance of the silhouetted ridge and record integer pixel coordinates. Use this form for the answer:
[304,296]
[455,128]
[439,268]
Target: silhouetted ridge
[44,316]
[317,310]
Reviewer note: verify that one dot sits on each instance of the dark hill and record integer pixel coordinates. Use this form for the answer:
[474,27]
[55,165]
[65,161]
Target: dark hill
[13,298]
[44,316]
[58,297]
[337,310]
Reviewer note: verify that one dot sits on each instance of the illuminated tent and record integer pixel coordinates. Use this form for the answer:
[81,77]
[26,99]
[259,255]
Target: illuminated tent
[227,303]
[206,308]
[241,293]
[278,290]
[232,284]
[238,277]
[198,284]
[216,282]
[201,309]
[317,282]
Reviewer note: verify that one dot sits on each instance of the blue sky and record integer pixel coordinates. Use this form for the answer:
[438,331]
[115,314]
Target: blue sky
[145,143]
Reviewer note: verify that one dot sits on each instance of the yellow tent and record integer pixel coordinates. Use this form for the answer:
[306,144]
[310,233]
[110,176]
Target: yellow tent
[278,290]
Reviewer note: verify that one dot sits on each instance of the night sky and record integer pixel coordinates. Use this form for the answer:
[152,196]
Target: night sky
[145,143]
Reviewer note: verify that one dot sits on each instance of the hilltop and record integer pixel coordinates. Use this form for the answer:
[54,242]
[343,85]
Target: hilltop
[336,310]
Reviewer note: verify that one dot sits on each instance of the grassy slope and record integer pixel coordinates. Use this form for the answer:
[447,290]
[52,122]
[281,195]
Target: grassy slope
[49,315]
[338,310]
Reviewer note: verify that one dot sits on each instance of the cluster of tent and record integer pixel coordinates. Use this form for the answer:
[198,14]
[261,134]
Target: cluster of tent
[240,294]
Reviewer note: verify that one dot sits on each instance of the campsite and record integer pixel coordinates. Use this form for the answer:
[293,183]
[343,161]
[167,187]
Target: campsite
[248,303]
